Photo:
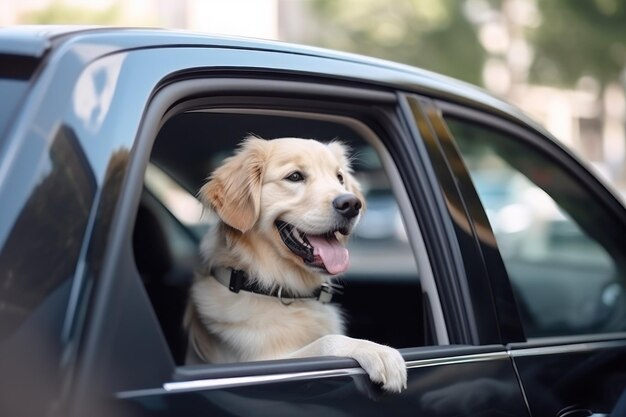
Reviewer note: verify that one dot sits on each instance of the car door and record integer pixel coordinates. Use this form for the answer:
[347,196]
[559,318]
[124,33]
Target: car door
[560,236]
[116,356]
[443,380]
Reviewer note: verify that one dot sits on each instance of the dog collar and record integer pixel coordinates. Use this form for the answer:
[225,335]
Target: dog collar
[237,280]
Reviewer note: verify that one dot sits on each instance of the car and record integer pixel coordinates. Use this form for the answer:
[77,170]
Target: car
[492,258]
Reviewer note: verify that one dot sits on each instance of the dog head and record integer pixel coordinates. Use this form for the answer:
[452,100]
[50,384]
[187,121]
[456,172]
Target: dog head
[296,195]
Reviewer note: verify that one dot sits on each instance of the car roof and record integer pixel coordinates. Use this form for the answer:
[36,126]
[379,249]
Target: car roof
[37,40]
[33,40]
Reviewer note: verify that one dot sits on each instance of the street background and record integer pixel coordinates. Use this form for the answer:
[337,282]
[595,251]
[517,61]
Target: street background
[562,61]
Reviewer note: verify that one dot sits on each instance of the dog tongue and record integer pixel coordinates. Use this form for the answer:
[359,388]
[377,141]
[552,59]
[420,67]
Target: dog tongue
[332,253]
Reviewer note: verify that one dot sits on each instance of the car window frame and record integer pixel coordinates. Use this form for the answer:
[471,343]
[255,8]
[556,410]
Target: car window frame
[471,293]
[178,95]
[210,379]
[98,351]
[550,148]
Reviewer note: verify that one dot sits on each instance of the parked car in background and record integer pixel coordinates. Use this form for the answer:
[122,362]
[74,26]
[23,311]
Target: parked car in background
[490,255]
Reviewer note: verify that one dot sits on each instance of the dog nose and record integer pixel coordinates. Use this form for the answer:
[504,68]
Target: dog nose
[348,205]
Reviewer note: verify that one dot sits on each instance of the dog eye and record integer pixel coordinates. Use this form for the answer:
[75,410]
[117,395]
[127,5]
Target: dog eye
[295,177]
[340,177]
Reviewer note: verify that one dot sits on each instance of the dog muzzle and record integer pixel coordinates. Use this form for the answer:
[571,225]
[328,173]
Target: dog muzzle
[321,251]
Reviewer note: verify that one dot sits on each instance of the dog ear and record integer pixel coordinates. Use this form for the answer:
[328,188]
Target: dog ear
[234,189]
[341,151]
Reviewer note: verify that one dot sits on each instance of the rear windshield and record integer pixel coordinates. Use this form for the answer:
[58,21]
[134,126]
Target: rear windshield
[15,73]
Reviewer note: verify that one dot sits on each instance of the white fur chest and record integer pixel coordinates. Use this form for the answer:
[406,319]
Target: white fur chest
[257,327]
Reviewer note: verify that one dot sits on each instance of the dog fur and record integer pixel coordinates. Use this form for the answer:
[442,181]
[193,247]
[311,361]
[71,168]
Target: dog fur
[249,192]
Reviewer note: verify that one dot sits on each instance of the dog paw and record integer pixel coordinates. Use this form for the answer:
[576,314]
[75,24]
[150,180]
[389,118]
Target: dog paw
[383,364]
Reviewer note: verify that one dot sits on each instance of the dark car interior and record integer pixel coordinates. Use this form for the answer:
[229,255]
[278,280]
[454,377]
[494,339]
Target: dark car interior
[382,296]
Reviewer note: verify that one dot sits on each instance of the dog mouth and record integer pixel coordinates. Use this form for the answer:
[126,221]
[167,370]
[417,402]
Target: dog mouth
[320,251]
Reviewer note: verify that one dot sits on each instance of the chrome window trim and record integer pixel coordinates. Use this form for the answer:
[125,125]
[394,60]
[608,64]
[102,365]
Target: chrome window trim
[453,360]
[200,384]
[521,351]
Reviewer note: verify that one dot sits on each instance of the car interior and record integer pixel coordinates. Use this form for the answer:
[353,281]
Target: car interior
[382,298]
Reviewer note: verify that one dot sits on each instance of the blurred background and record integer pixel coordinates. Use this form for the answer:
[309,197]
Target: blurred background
[562,61]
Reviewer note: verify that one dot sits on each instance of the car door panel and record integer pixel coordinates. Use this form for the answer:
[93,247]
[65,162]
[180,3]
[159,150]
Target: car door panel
[578,376]
[450,381]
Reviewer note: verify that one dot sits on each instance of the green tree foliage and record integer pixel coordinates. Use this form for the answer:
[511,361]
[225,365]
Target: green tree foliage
[579,38]
[60,13]
[432,34]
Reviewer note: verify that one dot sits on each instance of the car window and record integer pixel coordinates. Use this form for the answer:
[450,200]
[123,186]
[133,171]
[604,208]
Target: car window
[562,249]
[382,272]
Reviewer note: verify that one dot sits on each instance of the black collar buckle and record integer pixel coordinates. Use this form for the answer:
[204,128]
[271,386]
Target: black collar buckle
[237,280]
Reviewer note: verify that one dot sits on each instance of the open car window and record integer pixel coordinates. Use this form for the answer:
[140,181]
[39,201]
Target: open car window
[171,223]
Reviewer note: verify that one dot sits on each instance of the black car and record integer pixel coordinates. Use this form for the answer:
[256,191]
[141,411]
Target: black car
[490,256]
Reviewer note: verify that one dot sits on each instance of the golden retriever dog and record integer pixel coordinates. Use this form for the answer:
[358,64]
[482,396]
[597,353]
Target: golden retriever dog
[286,208]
